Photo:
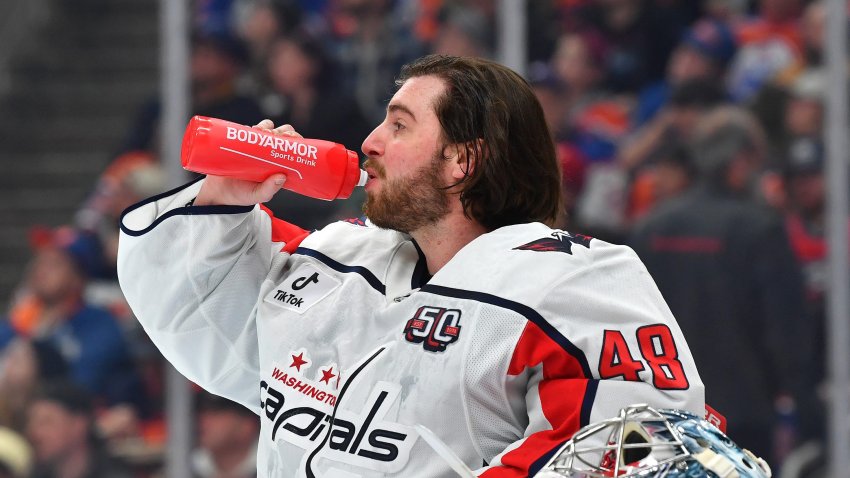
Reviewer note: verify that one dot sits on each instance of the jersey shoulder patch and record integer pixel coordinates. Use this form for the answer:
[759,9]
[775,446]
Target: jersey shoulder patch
[558,241]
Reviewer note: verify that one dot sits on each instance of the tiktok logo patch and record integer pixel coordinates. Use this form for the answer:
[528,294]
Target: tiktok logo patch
[433,327]
[302,288]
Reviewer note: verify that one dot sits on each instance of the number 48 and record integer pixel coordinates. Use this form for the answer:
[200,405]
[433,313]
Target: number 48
[657,348]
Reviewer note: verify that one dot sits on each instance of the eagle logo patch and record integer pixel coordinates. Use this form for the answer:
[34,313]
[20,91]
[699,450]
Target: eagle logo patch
[560,241]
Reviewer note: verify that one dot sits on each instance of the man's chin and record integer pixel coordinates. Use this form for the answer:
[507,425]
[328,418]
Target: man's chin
[380,215]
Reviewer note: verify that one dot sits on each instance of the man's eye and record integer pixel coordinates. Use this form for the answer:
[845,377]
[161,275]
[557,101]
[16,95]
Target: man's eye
[397,126]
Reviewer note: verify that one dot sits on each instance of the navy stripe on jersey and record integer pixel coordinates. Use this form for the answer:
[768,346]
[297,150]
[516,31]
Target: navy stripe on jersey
[584,420]
[339,267]
[544,459]
[522,309]
[420,272]
[180,211]
[587,403]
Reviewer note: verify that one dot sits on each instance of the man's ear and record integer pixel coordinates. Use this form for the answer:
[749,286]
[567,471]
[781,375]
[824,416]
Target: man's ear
[463,157]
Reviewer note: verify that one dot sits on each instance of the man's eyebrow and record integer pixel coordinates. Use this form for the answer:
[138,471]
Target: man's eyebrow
[395,107]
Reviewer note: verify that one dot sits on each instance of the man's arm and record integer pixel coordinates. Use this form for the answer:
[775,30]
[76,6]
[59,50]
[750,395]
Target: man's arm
[192,276]
[191,263]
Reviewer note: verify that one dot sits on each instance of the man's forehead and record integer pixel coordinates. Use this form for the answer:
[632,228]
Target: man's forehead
[417,95]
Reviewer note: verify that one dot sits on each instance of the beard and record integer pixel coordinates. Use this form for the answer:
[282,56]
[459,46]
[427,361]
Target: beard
[409,203]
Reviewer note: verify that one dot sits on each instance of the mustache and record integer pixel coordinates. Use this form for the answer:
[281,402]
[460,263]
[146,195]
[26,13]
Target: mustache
[375,166]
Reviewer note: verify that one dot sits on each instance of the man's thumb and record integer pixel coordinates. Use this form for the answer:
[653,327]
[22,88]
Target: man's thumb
[268,188]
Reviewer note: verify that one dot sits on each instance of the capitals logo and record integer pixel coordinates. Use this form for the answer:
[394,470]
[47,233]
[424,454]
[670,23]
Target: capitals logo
[305,412]
[433,327]
[561,241]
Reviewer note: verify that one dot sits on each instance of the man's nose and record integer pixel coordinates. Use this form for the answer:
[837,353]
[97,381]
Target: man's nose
[373,145]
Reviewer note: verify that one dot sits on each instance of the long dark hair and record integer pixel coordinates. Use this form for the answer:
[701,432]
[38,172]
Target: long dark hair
[513,175]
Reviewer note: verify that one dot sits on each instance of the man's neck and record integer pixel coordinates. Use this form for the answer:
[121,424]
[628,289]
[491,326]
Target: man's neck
[441,241]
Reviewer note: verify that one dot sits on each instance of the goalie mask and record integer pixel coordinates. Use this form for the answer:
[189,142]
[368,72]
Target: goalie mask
[649,443]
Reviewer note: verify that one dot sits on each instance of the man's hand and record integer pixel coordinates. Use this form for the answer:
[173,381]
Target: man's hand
[220,191]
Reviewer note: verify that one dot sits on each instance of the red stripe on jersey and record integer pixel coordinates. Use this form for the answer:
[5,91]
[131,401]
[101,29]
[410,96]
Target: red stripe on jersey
[561,393]
[282,231]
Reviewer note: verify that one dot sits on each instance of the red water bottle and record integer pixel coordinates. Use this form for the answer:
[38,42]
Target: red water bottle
[313,167]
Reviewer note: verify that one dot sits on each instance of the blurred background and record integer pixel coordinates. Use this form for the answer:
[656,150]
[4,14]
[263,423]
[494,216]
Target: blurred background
[691,130]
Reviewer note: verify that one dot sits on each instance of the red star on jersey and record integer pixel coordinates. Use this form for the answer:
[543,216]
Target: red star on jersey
[298,361]
[327,375]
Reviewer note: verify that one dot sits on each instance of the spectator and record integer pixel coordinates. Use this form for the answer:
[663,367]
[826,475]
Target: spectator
[60,426]
[227,439]
[771,45]
[597,135]
[688,102]
[25,364]
[464,32]
[805,222]
[371,45]
[594,121]
[549,91]
[217,62]
[260,23]
[639,36]
[703,54]
[15,455]
[129,178]
[675,172]
[53,309]
[578,62]
[813,29]
[805,110]
[303,75]
[668,174]
[788,113]
[728,273]
[658,139]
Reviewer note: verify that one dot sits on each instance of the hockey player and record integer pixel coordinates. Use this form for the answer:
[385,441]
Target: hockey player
[453,306]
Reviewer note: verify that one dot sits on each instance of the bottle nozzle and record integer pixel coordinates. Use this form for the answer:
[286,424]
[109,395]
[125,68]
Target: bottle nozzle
[364,176]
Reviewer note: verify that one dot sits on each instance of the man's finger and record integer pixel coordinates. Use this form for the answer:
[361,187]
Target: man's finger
[287,130]
[268,188]
[266,124]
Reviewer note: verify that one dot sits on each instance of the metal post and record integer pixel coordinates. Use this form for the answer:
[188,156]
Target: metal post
[174,84]
[174,90]
[838,299]
[512,38]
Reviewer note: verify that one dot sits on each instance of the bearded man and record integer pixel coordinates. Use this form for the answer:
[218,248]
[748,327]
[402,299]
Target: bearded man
[453,306]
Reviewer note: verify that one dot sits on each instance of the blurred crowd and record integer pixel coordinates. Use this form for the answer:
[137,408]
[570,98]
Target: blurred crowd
[689,130]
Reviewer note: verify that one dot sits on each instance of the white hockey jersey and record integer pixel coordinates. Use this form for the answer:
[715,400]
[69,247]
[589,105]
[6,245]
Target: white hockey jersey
[343,344]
